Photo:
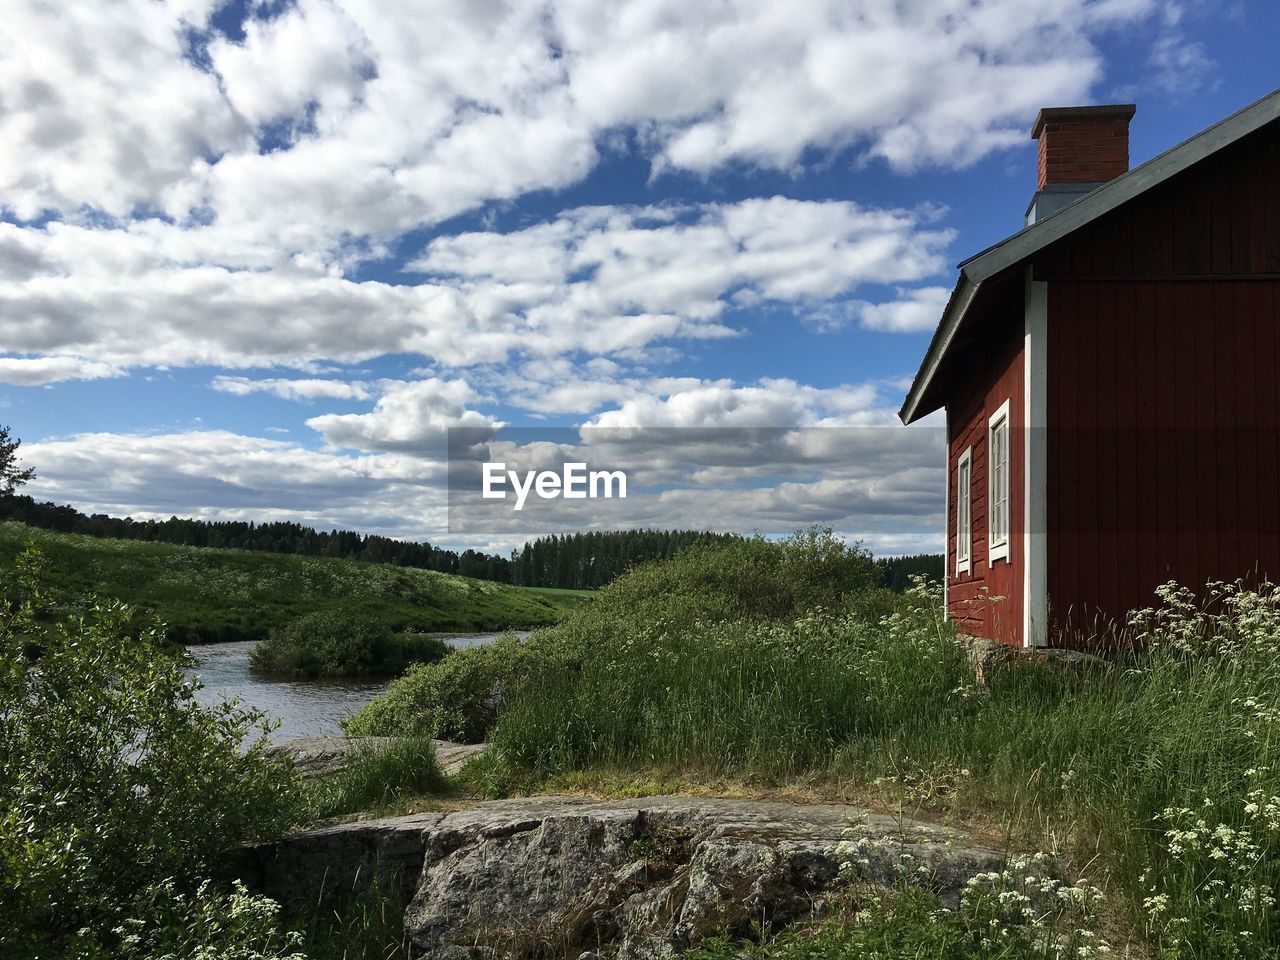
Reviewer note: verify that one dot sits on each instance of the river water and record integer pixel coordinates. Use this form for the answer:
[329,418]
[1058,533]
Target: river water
[305,708]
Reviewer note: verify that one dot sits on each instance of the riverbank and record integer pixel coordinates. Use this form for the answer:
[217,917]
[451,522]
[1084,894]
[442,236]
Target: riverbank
[302,708]
[214,595]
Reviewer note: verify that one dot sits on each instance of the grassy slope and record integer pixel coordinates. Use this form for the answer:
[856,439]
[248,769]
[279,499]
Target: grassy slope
[207,594]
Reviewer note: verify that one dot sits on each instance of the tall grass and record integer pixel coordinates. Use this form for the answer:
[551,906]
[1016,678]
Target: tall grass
[375,779]
[1160,769]
[1156,771]
[363,922]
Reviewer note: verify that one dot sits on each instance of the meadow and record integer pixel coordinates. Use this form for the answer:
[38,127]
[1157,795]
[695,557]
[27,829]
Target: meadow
[1147,776]
[210,595]
[1152,772]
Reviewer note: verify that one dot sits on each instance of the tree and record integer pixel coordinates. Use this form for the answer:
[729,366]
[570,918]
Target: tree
[11,476]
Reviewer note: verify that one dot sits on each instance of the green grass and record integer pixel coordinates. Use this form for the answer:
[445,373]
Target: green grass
[1156,773]
[208,595]
[1159,775]
[375,780]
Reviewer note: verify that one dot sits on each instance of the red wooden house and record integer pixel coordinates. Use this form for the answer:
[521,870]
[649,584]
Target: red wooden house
[1109,376]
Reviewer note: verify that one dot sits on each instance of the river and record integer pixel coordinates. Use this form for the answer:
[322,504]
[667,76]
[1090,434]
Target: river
[304,708]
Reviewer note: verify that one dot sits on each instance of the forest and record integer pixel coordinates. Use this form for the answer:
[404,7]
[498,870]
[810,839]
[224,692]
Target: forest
[577,561]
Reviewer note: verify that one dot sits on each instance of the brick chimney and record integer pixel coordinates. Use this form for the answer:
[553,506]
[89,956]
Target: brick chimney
[1080,148]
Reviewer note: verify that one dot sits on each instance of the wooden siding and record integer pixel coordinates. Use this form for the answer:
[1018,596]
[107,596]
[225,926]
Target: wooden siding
[1219,219]
[971,597]
[1163,460]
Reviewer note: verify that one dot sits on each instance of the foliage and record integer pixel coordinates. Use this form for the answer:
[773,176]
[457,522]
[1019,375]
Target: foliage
[572,561]
[118,791]
[12,474]
[208,595]
[751,580]
[364,922]
[1160,766]
[209,924]
[332,643]
[596,558]
[912,924]
[457,698]
[898,573]
[772,698]
[375,779]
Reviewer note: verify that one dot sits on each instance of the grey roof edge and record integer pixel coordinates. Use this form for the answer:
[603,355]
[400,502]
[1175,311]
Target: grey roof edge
[1026,242]
[1123,188]
[957,305]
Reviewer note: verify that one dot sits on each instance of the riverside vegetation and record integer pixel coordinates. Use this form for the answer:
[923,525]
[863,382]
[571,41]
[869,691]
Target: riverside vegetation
[752,666]
[777,667]
[210,595]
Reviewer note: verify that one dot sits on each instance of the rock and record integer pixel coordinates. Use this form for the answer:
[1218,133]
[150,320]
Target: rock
[633,879]
[646,878]
[988,656]
[335,860]
[314,756]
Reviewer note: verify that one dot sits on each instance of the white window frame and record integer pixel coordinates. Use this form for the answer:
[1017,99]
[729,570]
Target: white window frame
[964,512]
[998,512]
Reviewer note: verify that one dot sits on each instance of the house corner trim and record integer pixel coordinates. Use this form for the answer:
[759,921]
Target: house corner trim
[1035,573]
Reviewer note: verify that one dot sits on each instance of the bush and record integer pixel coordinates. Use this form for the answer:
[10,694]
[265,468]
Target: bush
[457,698]
[114,782]
[332,644]
[752,580]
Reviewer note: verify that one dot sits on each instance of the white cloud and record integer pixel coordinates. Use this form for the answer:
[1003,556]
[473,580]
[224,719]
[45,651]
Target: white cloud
[409,416]
[36,371]
[103,110]
[396,115]
[916,311]
[600,280]
[770,403]
[293,389]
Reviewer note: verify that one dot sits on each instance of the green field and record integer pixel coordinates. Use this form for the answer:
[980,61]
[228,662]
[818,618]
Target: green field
[206,595]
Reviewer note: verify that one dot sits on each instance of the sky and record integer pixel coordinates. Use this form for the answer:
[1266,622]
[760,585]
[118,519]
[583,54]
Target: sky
[258,258]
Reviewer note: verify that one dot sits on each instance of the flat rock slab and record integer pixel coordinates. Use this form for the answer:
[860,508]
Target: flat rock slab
[636,878]
[314,756]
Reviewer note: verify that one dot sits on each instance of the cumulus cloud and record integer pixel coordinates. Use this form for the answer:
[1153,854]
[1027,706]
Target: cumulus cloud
[351,118]
[286,389]
[770,403]
[915,311]
[412,415]
[37,371]
[603,280]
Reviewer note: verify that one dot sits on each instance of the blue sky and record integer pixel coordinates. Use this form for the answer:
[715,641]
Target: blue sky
[256,258]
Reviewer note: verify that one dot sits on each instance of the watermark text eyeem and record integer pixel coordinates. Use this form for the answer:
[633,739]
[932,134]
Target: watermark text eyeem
[573,482]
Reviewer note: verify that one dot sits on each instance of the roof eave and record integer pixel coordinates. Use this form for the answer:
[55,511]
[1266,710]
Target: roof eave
[1110,195]
[1027,242]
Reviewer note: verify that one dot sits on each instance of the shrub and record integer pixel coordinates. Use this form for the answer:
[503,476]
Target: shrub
[331,644]
[113,780]
[754,580]
[457,698]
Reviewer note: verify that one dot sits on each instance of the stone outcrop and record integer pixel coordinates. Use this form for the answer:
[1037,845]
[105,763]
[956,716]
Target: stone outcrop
[634,878]
[314,756]
[989,656]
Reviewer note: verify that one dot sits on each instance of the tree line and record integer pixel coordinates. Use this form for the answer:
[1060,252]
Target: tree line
[581,561]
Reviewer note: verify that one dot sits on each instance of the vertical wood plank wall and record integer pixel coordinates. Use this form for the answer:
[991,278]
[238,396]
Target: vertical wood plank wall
[1163,460]
[971,597]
